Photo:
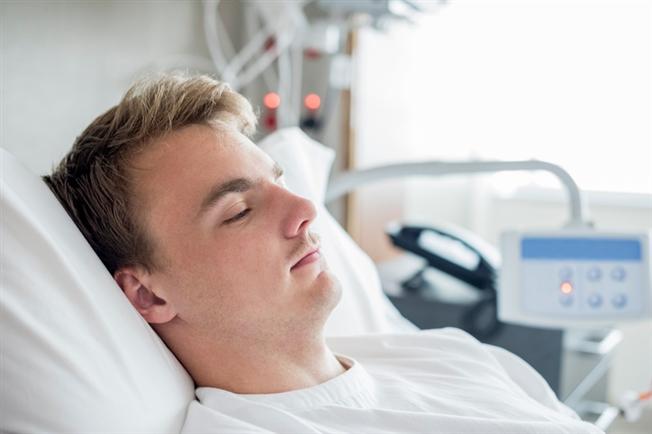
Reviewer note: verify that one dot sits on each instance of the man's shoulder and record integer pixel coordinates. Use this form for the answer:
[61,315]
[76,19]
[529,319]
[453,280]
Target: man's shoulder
[421,343]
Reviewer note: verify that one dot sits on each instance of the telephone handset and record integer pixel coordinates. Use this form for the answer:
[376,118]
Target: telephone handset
[453,250]
[458,253]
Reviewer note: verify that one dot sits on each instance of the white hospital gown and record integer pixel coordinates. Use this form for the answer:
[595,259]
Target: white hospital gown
[435,381]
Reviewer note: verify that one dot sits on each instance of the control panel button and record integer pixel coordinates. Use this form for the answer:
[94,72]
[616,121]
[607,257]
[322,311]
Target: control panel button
[595,300]
[619,301]
[566,300]
[594,274]
[565,273]
[618,274]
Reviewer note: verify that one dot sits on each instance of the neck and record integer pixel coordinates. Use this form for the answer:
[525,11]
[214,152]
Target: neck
[253,365]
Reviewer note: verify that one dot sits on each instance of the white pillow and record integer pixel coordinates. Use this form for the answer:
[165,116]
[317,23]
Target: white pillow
[364,308]
[75,356]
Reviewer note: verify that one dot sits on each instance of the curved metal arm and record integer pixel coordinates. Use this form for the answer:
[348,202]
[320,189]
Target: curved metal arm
[348,181]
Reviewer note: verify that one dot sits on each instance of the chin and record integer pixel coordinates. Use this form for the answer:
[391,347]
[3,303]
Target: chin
[315,305]
[330,290]
[324,293]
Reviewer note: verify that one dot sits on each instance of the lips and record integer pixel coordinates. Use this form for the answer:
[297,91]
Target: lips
[308,258]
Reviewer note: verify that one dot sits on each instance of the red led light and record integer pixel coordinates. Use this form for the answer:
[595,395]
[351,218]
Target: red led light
[312,101]
[566,288]
[272,100]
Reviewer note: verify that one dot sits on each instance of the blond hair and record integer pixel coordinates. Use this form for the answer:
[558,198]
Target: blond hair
[92,181]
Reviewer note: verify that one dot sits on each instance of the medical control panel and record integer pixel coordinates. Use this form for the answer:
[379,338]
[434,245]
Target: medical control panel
[570,278]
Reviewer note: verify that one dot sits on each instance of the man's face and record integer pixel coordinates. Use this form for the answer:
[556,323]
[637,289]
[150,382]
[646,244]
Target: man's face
[230,235]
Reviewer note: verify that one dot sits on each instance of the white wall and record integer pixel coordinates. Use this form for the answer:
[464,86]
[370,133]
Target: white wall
[63,63]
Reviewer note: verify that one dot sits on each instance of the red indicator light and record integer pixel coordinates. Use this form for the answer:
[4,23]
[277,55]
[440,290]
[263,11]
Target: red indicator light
[566,288]
[312,101]
[272,100]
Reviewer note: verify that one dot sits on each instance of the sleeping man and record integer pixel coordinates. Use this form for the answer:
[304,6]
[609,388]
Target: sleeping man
[196,226]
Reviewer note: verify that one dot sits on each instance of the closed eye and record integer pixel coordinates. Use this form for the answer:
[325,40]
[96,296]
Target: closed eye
[238,216]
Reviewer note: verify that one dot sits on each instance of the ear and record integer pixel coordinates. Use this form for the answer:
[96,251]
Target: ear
[136,285]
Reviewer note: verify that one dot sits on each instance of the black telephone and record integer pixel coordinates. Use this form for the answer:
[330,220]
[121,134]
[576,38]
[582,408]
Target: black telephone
[458,253]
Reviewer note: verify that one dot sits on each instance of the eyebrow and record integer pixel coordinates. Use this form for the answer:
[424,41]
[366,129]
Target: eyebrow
[236,185]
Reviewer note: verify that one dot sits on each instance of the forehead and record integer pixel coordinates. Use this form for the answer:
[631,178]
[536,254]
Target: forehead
[197,152]
[174,172]
[195,146]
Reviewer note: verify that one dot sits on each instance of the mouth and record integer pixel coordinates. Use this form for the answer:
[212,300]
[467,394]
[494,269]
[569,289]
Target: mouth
[310,257]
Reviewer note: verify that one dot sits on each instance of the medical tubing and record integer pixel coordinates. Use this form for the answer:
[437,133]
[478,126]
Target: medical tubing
[249,51]
[282,41]
[223,39]
[296,49]
[251,22]
[232,71]
[285,112]
[212,39]
[349,181]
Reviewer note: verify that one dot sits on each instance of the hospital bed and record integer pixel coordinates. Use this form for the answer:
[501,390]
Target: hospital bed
[76,357]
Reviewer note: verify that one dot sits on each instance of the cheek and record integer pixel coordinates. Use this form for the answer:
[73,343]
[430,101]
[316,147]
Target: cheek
[228,270]
[236,263]
[257,257]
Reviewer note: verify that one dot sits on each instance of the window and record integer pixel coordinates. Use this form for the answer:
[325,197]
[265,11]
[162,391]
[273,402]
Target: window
[566,81]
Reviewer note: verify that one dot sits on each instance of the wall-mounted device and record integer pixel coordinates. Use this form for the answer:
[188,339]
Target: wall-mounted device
[570,278]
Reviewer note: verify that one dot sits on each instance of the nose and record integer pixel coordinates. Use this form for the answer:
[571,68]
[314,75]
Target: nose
[301,212]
